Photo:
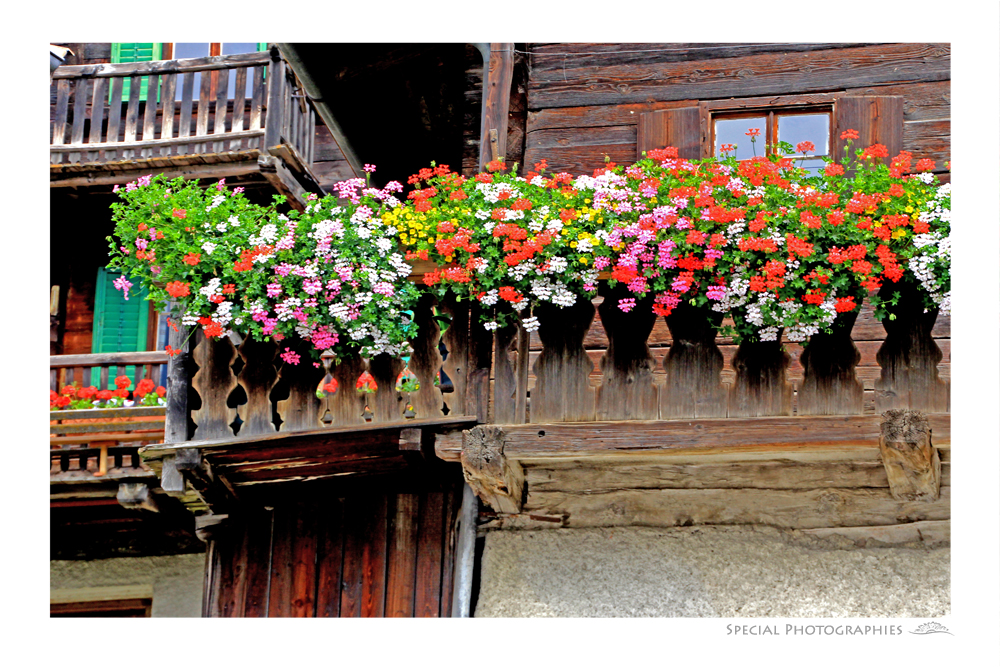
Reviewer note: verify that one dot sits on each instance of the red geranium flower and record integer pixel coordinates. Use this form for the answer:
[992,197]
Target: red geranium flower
[192,258]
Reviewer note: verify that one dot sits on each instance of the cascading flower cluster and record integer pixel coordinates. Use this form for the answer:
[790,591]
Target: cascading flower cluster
[760,242]
[334,276]
[505,241]
[331,275]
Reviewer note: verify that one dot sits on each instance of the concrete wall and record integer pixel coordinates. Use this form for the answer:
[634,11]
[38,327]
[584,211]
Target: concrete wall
[716,571]
[175,581]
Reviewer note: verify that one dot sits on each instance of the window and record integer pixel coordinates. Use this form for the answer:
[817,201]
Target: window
[788,125]
[132,52]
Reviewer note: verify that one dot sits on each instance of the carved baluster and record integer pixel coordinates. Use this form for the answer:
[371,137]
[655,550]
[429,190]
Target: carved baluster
[214,381]
[385,403]
[347,405]
[694,386]
[301,410]
[257,379]
[510,383]
[425,361]
[761,386]
[627,390]
[829,384]
[909,358]
[562,390]
[456,365]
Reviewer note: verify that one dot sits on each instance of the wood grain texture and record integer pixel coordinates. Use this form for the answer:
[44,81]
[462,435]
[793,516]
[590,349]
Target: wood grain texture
[562,391]
[301,410]
[214,381]
[738,76]
[457,364]
[829,384]
[680,128]
[627,390]
[761,384]
[430,533]
[693,366]
[257,378]
[402,557]
[425,361]
[878,119]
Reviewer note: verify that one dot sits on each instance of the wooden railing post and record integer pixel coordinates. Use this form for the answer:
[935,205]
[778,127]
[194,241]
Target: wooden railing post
[693,386]
[273,121]
[562,371]
[176,426]
[627,390]
[829,384]
[214,381]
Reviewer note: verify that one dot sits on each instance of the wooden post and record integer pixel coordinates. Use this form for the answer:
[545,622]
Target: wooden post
[301,410]
[496,100]
[102,459]
[761,387]
[275,100]
[178,383]
[497,481]
[465,553]
[257,379]
[214,381]
[911,461]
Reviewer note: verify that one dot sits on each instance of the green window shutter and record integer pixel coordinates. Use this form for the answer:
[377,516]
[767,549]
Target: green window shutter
[135,52]
[119,325]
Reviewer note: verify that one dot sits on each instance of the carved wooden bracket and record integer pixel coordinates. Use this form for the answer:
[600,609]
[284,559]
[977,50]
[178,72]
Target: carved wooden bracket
[186,470]
[911,461]
[497,481]
[137,496]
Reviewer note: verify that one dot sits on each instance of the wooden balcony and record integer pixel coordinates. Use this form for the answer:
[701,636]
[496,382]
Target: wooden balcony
[112,123]
[603,410]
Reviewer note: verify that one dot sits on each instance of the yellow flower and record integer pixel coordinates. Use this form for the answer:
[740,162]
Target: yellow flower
[572,244]
[899,233]
[583,260]
[908,209]
[586,201]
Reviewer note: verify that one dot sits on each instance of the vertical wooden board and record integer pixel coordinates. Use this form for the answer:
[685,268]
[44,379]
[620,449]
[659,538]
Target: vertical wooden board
[330,558]
[385,403]
[627,390]
[279,604]
[97,115]
[480,360]
[429,551]
[562,371]
[452,503]
[114,114]
[149,115]
[373,557]
[186,116]
[213,581]
[169,103]
[909,358]
[228,548]
[829,384]
[693,365]
[301,410]
[679,128]
[214,381]
[239,106]
[402,557]
[257,378]
[425,361]
[354,537]
[505,388]
[456,365]
[347,405]
[258,526]
[761,386]
[304,541]
[257,99]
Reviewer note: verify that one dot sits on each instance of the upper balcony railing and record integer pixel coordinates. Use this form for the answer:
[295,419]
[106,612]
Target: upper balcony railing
[171,108]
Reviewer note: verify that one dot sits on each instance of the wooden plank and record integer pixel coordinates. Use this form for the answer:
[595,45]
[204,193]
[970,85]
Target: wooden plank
[784,508]
[425,360]
[221,102]
[258,527]
[202,116]
[169,94]
[61,114]
[131,115]
[427,601]
[562,392]
[627,390]
[275,102]
[758,74]
[178,384]
[305,542]
[452,502]
[572,118]
[402,557]
[280,587]
[239,106]
[527,441]
[330,559]
[97,114]
[373,557]
[257,378]
[80,100]
[214,381]
[679,128]
[878,119]
[352,574]
[184,120]
[162,66]
[496,101]
[300,411]
[257,99]
[829,383]
[211,171]
[149,117]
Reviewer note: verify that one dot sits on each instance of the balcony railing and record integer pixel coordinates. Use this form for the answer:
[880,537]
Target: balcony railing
[102,442]
[152,110]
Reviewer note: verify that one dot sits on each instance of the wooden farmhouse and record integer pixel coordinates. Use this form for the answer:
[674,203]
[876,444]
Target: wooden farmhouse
[300,506]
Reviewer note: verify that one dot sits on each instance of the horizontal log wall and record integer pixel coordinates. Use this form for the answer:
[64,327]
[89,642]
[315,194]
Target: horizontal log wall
[584,100]
[370,554]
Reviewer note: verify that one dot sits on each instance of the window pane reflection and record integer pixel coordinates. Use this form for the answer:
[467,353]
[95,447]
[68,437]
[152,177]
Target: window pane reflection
[734,131]
[806,127]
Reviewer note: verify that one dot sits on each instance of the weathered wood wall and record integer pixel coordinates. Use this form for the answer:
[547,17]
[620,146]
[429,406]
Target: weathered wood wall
[375,553]
[584,100]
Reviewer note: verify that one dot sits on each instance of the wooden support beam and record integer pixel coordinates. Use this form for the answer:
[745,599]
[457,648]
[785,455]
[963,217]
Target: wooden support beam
[496,480]
[283,180]
[208,526]
[212,488]
[911,461]
[210,171]
[171,479]
[137,496]
[496,102]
